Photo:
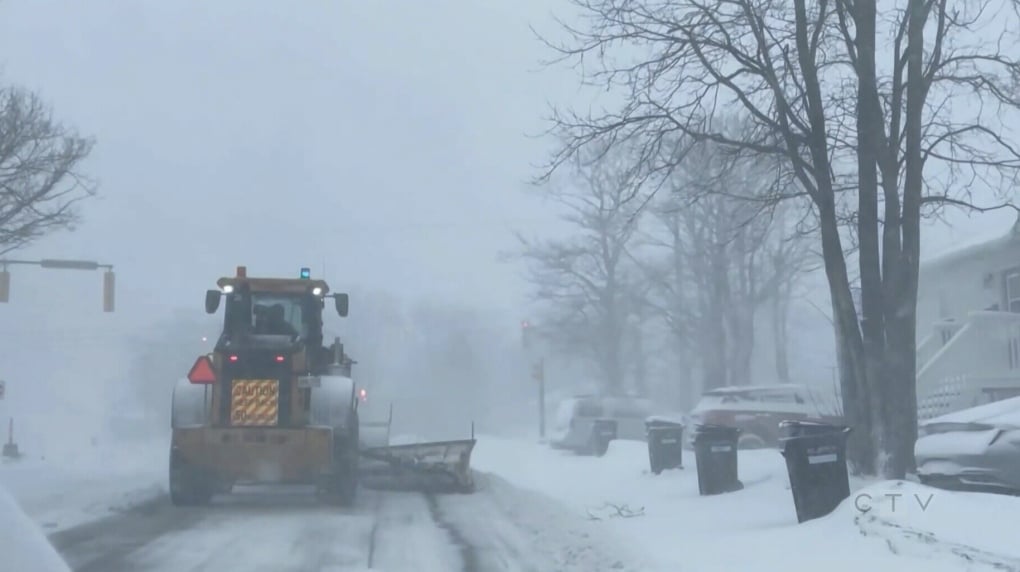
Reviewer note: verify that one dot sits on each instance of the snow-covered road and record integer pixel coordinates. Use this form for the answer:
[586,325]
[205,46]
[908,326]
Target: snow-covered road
[497,528]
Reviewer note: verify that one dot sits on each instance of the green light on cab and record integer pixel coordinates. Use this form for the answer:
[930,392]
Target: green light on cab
[306,273]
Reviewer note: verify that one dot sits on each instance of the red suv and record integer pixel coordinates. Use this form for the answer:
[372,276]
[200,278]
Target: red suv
[757,410]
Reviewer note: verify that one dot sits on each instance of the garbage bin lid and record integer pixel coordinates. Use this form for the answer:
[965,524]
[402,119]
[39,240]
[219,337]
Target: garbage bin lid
[664,421]
[794,429]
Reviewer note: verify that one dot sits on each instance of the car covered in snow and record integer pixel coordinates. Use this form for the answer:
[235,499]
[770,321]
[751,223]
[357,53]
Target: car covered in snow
[758,410]
[973,449]
[574,426]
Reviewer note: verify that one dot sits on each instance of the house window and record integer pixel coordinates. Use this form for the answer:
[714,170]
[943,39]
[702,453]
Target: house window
[1013,291]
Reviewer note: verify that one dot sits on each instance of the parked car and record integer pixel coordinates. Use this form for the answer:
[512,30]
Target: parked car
[758,410]
[575,420]
[973,449]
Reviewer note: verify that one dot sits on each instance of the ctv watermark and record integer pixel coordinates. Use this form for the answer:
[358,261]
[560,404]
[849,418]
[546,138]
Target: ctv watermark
[865,502]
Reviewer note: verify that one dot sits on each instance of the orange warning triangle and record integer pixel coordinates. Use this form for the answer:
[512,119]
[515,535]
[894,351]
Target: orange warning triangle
[202,372]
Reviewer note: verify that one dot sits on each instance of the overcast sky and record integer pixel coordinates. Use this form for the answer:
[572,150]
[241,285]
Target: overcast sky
[384,141]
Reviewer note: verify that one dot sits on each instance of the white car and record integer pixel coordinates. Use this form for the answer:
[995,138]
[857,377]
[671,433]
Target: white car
[973,449]
[757,410]
[574,427]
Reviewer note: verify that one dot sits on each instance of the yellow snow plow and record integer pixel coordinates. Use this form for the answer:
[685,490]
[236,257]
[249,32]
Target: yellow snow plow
[435,466]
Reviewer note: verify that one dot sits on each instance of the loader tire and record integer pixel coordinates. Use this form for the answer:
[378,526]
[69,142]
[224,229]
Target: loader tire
[597,447]
[342,486]
[187,487]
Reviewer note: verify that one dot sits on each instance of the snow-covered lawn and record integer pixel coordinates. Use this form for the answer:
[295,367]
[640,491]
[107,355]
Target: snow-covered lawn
[62,491]
[22,545]
[883,526]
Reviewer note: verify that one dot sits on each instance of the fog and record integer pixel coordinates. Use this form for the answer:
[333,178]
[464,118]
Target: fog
[385,145]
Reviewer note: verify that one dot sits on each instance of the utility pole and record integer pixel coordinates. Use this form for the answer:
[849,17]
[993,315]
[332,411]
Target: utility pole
[537,371]
[538,374]
[108,276]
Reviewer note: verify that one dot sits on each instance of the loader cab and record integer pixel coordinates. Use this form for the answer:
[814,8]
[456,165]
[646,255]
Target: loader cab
[272,312]
[279,316]
[295,316]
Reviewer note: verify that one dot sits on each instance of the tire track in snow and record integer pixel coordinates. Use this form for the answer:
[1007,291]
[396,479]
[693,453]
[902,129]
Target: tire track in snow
[372,536]
[468,553]
[101,545]
[500,528]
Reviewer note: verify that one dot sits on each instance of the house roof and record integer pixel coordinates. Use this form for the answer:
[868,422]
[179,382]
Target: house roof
[969,251]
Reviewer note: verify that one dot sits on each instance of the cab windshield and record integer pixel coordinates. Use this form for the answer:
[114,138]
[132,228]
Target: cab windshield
[268,314]
[278,315]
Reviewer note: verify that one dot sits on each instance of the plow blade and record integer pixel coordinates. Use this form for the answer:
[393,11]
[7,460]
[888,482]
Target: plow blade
[440,466]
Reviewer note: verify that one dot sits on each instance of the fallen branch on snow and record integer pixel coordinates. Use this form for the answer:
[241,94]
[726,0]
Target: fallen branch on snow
[611,510]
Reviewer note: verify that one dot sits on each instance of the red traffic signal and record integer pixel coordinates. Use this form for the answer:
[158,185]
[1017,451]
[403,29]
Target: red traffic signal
[202,373]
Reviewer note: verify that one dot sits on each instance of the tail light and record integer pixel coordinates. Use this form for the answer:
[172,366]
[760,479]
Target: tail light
[233,358]
[279,359]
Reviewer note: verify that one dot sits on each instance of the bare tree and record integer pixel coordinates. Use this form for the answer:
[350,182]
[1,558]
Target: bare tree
[725,258]
[788,258]
[587,281]
[39,181]
[806,77]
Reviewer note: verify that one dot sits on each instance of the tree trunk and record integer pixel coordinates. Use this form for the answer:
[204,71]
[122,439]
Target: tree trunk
[848,337]
[715,348]
[901,420]
[870,125]
[640,365]
[780,316]
[856,410]
[740,310]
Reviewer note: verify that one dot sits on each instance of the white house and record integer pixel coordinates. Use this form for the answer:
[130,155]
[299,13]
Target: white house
[968,326]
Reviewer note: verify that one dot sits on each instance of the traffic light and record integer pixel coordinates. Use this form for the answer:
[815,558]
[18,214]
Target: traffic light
[525,334]
[108,290]
[5,286]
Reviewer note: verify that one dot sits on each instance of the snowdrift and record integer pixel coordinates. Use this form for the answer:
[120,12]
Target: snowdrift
[883,526]
[22,544]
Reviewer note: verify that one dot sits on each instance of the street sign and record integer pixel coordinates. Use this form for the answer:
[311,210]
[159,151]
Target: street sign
[3,388]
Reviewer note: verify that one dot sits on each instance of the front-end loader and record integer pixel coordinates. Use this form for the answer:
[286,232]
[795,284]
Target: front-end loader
[271,404]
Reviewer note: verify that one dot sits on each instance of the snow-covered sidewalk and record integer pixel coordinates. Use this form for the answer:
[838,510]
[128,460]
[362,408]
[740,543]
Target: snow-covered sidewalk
[883,526]
[74,488]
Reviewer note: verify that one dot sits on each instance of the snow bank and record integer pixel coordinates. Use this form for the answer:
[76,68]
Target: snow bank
[1004,412]
[22,545]
[86,484]
[954,443]
[681,530]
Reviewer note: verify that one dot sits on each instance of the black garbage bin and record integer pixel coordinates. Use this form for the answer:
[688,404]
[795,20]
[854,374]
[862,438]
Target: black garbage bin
[816,461]
[665,444]
[715,451]
[602,432]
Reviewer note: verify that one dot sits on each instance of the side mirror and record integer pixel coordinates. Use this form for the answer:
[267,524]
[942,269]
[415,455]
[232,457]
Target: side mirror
[212,301]
[342,301]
